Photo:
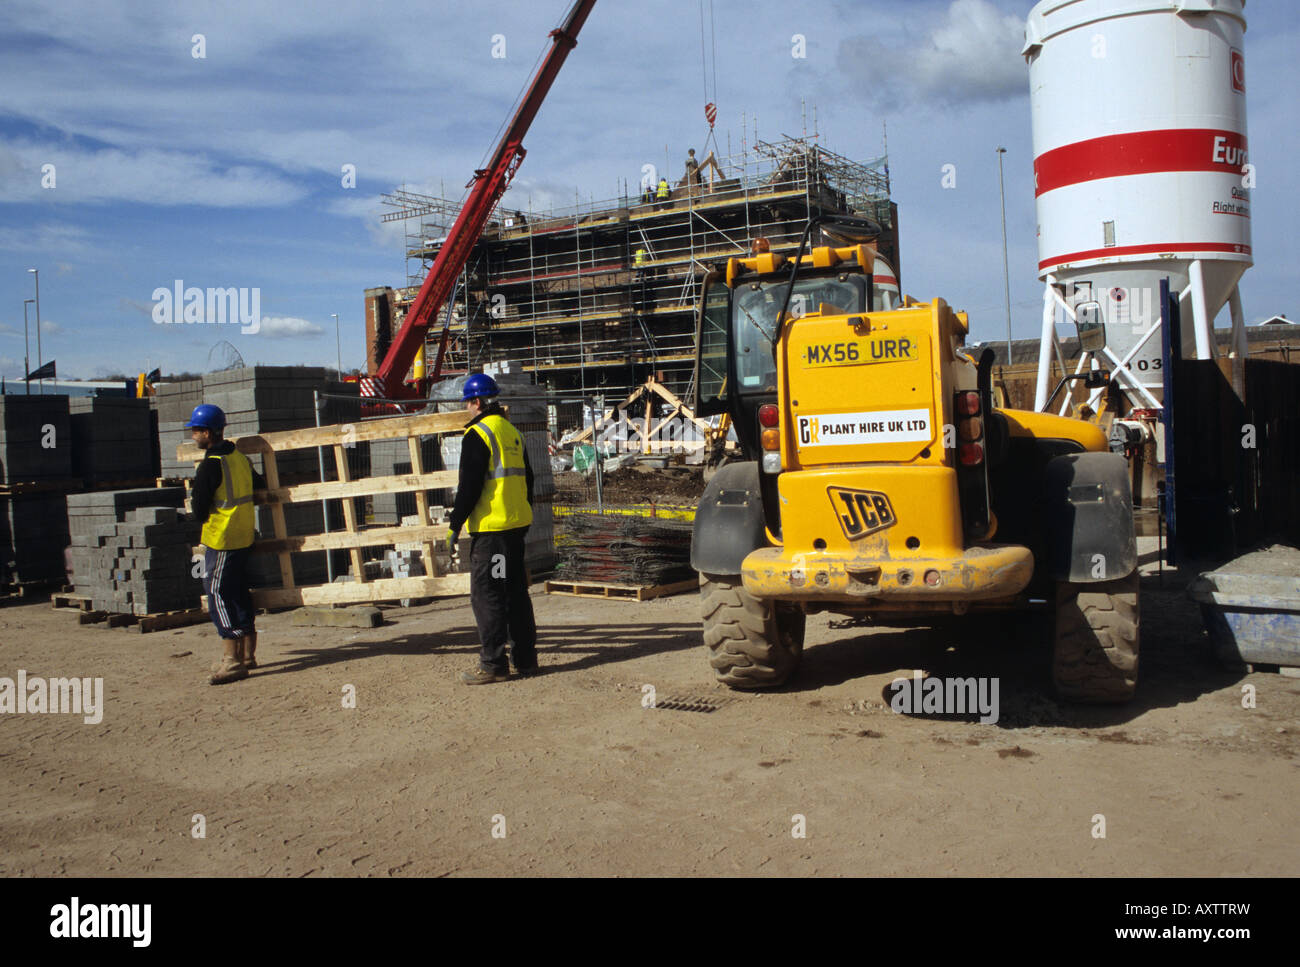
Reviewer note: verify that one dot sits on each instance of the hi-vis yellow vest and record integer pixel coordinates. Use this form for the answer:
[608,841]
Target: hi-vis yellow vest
[231,521]
[503,504]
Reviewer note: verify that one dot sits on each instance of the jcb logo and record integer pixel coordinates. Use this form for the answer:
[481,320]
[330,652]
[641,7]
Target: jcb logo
[861,512]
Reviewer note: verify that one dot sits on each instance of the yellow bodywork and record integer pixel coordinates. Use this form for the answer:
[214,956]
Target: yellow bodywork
[868,491]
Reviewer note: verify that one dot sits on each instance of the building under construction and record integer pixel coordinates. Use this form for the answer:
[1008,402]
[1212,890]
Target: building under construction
[596,297]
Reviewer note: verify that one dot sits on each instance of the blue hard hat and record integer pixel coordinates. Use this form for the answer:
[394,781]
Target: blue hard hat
[206,417]
[480,384]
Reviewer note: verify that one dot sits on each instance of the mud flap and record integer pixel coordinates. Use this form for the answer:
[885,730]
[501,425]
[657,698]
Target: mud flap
[729,522]
[1089,516]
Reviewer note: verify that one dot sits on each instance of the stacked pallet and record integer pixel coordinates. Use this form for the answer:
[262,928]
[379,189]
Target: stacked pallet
[268,399]
[143,565]
[112,439]
[35,471]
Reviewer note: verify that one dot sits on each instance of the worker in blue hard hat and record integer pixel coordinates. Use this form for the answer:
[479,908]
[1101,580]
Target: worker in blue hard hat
[494,500]
[222,500]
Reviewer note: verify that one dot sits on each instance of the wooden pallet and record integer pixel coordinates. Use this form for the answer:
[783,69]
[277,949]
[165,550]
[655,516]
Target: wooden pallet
[143,623]
[56,485]
[354,537]
[636,592]
[70,602]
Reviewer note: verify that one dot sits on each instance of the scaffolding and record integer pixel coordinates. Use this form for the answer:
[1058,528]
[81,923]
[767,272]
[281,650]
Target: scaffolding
[597,296]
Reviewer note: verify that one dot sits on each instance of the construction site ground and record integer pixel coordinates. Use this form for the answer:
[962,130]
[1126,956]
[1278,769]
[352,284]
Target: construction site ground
[582,779]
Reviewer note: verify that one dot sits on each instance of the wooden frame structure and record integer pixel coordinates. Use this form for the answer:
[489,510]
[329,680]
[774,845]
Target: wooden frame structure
[353,537]
[646,429]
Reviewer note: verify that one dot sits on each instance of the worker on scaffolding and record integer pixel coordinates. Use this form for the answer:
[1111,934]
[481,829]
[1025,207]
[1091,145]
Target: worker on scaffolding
[692,169]
[494,499]
[663,192]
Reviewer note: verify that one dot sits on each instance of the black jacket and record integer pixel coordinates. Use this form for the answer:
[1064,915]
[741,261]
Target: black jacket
[208,478]
[474,460]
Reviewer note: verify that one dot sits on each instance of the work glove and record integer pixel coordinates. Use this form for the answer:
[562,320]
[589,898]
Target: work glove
[452,540]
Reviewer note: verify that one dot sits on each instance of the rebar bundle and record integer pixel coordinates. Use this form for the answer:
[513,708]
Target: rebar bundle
[622,549]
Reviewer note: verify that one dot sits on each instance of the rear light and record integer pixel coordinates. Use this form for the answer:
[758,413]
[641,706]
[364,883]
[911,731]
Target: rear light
[769,437]
[932,578]
[970,454]
[968,404]
[971,429]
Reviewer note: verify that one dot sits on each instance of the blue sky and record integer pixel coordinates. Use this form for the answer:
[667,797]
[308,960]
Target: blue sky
[226,170]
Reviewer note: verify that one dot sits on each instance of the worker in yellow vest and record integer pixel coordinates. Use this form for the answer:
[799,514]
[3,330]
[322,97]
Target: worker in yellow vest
[222,501]
[494,500]
[663,191]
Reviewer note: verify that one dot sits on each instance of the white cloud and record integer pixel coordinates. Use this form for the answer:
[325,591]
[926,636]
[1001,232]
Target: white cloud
[51,327]
[972,54]
[289,327]
[45,237]
[158,177]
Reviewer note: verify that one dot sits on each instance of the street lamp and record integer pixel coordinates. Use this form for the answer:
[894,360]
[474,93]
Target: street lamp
[39,362]
[27,348]
[338,352]
[1006,272]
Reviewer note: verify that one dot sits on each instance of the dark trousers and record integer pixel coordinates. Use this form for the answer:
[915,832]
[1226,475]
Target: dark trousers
[225,580]
[499,596]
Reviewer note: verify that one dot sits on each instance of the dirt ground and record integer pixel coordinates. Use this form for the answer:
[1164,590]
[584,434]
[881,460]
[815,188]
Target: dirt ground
[584,780]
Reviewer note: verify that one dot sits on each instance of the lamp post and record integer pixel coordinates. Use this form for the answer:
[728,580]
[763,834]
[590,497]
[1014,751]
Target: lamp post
[27,348]
[1006,272]
[338,352]
[39,362]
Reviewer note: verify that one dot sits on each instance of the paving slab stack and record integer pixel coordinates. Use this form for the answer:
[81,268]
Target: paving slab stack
[132,550]
[112,439]
[35,448]
[269,399]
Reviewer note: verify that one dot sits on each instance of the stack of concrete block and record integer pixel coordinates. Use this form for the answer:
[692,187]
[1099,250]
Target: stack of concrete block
[257,399]
[143,565]
[89,512]
[35,439]
[112,439]
[174,402]
[389,457]
[33,534]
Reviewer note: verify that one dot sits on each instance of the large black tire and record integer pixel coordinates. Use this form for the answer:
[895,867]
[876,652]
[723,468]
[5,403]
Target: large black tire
[752,643]
[1095,644]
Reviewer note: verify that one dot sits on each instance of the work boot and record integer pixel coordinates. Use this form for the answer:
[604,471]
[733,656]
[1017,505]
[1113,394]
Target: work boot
[231,669]
[483,676]
[248,649]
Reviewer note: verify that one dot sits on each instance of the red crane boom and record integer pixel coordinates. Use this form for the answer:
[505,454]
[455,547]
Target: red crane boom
[486,190]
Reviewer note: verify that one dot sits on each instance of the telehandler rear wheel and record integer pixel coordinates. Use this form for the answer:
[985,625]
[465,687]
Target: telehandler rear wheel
[752,643]
[1095,643]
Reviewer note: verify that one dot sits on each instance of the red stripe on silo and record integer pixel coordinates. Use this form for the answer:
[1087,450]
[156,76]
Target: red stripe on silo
[1140,153]
[1114,250]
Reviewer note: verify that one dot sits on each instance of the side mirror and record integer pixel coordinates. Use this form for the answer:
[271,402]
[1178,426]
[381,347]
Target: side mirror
[1088,324]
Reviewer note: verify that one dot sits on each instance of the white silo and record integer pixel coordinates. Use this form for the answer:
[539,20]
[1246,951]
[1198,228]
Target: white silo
[1141,172]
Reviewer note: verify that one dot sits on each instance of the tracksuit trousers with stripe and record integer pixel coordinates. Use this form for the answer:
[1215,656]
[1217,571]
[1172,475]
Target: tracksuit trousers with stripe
[225,579]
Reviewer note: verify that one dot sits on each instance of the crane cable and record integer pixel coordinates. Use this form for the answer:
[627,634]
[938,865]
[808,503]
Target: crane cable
[709,45]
